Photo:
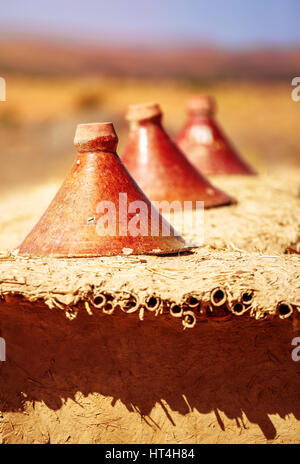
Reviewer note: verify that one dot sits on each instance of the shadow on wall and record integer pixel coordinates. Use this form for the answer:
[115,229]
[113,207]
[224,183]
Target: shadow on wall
[236,367]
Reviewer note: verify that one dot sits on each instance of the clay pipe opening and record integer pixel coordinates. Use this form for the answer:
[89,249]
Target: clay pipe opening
[247,297]
[176,310]
[285,309]
[191,301]
[98,301]
[152,302]
[109,307]
[238,309]
[218,296]
[189,319]
[129,304]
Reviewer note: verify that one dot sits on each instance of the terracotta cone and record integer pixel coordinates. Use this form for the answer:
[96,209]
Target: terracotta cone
[205,144]
[158,165]
[72,227]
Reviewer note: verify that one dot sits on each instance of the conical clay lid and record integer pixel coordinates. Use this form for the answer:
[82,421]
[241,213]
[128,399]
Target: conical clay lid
[100,210]
[204,143]
[159,167]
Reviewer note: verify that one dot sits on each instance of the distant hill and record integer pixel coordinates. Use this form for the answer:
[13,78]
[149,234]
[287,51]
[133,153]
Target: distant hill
[199,62]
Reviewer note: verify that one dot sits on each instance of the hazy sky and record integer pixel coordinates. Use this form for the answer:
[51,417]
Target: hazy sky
[228,22]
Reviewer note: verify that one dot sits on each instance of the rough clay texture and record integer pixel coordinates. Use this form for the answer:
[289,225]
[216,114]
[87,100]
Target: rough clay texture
[96,350]
[115,379]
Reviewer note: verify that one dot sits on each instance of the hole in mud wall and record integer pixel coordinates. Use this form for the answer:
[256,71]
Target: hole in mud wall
[218,297]
[238,308]
[189,319]
[247,297]
[103,301]
[285,309]
[152,302]
[192,301]
[99,301]
[129,304]
[176,310]
[108,307]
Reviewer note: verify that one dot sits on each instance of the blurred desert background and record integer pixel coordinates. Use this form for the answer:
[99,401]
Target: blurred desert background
[87,63]
[38,120]
[59,75]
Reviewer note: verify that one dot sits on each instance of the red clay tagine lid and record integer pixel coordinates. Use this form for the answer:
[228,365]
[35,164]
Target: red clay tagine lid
[204,143]
[99,209]
[159,167]
[143,111]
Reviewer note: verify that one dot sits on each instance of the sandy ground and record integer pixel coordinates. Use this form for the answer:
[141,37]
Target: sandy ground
[112,379]
[265,219]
